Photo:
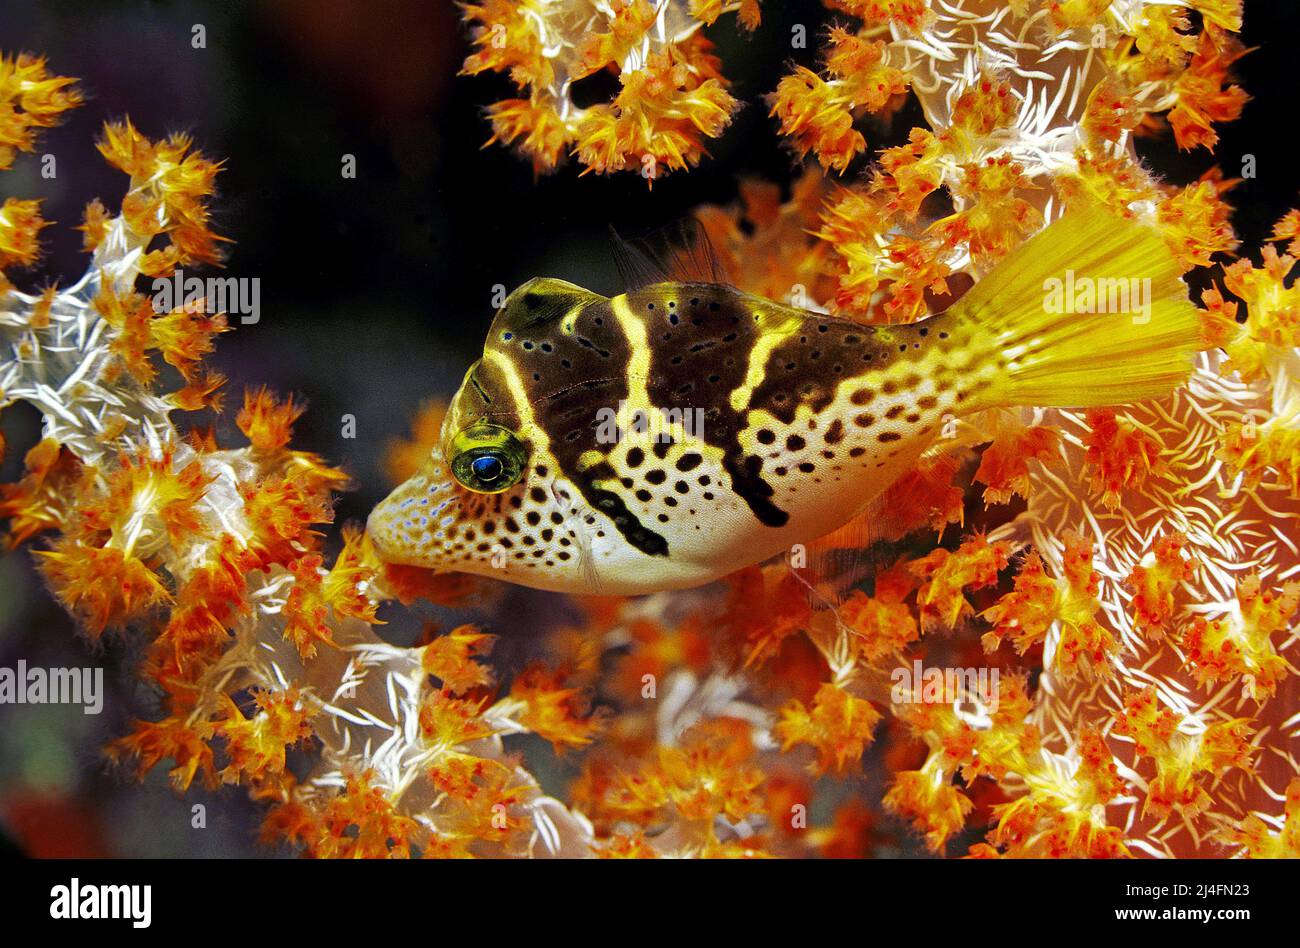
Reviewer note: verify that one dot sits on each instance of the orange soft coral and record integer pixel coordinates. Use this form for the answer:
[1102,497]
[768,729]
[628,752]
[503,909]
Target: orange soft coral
[947,575]
[1239,646]
[934,805]
[170,187]
[256,744]
[1120,454]
[267,423]
[1063,818]
[1183,761]
[818,114]
[709,774]
[1273,329]
[1267,453]
[450,659]
[1204,93]
[883,624]
[20,228]
[1260,841]
[996,217]
[171,738]
[39,501]
[105,586]
[361,821]
[1195,223]
[1027,613]
[672,98]
[1154,585]
[404,456]
[30,99]
[838,726]
[552,710]
[658,121]
[764,606]
[1004,465]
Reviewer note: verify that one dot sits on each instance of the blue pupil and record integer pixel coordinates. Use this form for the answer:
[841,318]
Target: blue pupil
[487,468]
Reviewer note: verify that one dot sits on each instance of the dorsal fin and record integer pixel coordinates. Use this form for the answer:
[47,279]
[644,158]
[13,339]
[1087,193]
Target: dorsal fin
[677,253]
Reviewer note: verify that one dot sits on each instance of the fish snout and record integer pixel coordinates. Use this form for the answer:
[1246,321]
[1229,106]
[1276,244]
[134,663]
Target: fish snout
[382,529]
[404,526]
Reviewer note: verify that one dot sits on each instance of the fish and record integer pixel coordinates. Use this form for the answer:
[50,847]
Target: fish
[672,434]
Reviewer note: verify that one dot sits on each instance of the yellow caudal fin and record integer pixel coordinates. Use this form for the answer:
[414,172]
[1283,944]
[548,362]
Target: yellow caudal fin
[1092,311]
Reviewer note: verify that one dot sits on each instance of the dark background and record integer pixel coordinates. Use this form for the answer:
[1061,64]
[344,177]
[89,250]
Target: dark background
[376,291]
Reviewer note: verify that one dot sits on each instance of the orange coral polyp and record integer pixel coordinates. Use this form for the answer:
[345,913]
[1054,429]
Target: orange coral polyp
[935,806]
[1182,761]
[1122,456]
[104,586]
[256,745]
[1154,586]
[20,228]
[672,96]
[1004,465]
[1204,95]
[266,422]
[818,114]
[946,576]
[174,738]
[38,502]
[553,711]
[169,190]
[449,658]
[30,100]
[818,118]
[1239,646]
[838,725]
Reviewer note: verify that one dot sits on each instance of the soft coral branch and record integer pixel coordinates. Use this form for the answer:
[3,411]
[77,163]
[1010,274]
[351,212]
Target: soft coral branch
[214,554]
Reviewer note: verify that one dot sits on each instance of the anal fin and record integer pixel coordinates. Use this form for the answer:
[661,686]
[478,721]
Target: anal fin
[925,498]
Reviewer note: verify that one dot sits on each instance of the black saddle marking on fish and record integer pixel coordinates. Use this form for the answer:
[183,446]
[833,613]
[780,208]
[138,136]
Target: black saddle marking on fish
[569,372]
[700,338]
[553,353]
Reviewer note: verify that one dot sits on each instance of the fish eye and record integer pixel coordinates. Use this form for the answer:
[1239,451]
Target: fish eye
[488,468]
[487,459]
